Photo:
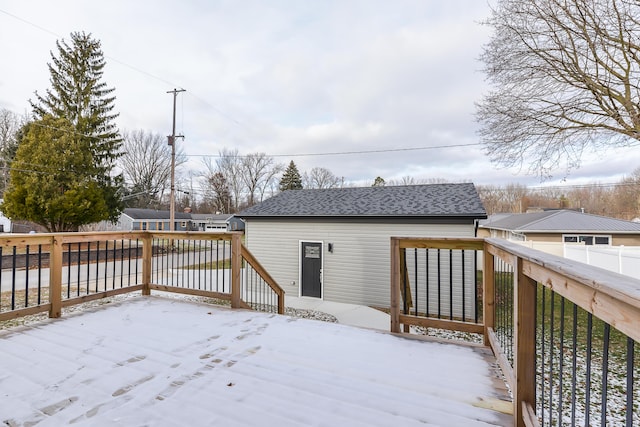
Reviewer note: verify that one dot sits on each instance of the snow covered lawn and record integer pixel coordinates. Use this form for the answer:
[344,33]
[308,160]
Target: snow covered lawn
[155,361]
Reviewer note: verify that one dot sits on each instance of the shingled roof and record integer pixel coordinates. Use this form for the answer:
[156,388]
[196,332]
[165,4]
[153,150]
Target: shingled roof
[136,213]
[566,221]
[417,201]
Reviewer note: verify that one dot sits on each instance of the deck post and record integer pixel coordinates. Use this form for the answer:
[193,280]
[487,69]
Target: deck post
[55,276]
[395,285]
[524,319]
[236,265]
[147,255]
[488,294]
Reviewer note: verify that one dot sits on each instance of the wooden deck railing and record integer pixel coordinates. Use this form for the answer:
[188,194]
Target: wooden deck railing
[46,272]
[564,333]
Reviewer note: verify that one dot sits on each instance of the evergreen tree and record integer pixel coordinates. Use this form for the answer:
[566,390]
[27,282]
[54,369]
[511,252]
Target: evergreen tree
[379,182]
[291,179]
[79,96]
[49,184]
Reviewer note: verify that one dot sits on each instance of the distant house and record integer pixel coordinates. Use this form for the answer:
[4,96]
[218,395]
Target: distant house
[210,222]
[216,222]
[335,243]
[562,226]
[152,220]
[5,224]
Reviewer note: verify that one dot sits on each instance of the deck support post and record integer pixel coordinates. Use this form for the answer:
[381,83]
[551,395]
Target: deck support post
[488,294]
[395,285]
[55,276]
[524,322]
[147,254]
[236,265]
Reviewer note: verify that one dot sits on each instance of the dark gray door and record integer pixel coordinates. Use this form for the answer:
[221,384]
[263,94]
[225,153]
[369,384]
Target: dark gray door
[311,269]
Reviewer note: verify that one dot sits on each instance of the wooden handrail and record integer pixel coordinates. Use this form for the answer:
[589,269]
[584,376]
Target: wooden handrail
[54,244]
[264,274]
[609,296]
[612,297]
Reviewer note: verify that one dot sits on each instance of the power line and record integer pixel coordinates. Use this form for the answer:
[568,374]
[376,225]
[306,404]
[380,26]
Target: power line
[131,67]
[29,23]
[343,153]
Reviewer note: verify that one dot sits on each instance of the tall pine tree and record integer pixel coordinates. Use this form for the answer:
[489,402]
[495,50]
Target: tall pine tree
[291,179]
[80,98]
[48,186]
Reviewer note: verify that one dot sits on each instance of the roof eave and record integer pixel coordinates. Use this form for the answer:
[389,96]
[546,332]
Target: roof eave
[386,217]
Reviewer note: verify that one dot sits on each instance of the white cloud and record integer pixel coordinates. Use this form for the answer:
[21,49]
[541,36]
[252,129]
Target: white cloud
[286,77]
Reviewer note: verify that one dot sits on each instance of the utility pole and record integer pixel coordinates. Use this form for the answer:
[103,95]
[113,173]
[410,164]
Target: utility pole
[172,143]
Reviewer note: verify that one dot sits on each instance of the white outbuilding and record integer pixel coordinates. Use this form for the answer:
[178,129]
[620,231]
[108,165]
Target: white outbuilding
[334,244]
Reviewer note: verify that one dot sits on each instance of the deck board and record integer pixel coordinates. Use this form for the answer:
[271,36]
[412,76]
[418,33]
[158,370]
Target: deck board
[165,362]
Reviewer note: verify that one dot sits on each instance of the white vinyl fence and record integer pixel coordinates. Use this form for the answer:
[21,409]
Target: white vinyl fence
[620,259]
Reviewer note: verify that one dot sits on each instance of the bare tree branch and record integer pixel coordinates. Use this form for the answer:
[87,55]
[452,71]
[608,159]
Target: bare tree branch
[320,178]
[146,164]
[566,77]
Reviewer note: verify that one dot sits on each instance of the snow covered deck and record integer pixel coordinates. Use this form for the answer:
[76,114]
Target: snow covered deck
[166,362]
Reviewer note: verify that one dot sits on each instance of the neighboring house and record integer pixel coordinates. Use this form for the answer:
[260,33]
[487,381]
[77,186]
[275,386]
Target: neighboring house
[235,224]
[562,226]
[152,220]
[216,222]
[335,243]
[5,224]
[210,222]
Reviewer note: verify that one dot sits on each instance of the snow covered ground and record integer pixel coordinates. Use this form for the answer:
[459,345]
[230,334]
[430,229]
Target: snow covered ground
[155,361]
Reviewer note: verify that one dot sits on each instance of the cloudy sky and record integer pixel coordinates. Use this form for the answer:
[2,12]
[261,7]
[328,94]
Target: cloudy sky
[364,88]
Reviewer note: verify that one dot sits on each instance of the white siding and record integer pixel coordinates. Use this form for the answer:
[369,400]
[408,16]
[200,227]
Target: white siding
[357,271]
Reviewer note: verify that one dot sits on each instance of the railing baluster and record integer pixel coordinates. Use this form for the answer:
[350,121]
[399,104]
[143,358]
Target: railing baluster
[561,361]
[464,296]
[131,259]
[97,265]
[542,354]
[184,283]
[428,288]
[170,254]
[415,275]
[78,268]
[630,381]
[551,343]
[121,263]
[68,270]
[450,284]
[88,266]
[574,364]
[200,262]
[26,278]
[218,264]
[475,288]
[605,374]
[439,288]
[39,272]
[587,386]
[113,267]
[106,262]
[138,254]
[13,279]
[403,272]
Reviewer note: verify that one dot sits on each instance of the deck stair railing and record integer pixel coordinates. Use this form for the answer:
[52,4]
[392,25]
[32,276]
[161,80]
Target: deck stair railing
[46,272]
[564,333]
